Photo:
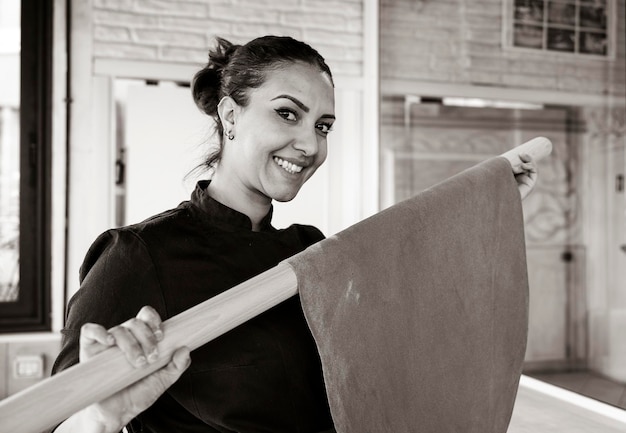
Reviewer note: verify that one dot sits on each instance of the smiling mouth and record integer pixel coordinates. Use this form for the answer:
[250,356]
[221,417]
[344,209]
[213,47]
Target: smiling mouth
[288,166]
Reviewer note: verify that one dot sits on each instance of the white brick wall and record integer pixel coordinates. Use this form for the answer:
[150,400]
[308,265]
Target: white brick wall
[182,30]
[460,42]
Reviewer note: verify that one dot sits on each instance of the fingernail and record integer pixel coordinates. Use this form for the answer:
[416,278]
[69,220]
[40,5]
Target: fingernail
[141,361]
[158,334]
[185,365]
[110,339]
[153,356]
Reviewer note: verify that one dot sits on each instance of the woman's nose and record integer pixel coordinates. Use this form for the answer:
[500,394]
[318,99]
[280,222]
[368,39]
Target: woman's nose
[307,143]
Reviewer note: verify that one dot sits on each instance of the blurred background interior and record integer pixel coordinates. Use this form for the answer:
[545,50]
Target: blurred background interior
[98,129]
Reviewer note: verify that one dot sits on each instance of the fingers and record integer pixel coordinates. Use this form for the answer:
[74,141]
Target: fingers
[121,407]
[180,360]
[93,339]
[144,393]
[525,174]
[527,164]
[91,333]
[526,168]
[152,319]
[169,374]
[139,336]
[163,378]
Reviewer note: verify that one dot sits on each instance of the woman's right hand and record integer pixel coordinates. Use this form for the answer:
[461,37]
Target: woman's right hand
[137,338]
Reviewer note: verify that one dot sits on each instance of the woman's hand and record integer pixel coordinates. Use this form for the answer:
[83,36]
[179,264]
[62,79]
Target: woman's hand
[137,338]
[525,175]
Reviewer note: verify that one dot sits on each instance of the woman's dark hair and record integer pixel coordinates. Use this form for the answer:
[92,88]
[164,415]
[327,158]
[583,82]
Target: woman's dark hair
[234,69]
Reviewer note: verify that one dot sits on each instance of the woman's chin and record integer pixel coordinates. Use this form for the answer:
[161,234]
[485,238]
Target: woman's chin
[285,195]
[283,191]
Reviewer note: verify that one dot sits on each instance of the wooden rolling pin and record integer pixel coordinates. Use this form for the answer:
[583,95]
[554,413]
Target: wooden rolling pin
[56,398]
[537,148]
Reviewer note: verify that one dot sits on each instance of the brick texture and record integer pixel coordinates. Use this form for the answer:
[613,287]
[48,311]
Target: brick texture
[461,42]
[182,30]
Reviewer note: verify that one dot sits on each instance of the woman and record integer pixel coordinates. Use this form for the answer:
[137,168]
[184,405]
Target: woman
[273,103]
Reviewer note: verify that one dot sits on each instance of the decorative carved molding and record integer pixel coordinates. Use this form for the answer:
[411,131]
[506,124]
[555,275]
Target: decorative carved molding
[608,121]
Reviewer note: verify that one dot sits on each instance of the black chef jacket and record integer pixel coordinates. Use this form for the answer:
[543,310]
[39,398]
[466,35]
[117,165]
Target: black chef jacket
[263,376]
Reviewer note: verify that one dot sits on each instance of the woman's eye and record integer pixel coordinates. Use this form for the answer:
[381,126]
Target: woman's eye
[287,114]
[324,128]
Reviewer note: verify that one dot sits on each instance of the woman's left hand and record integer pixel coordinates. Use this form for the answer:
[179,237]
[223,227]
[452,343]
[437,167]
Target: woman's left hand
[525,175]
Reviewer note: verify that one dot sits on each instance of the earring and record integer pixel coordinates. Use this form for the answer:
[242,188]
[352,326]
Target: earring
[230,135]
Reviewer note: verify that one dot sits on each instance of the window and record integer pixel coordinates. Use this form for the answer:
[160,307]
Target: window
[580,27]
[25,157]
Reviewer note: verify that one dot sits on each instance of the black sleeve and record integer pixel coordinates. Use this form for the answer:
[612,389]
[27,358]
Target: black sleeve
[117,279]
[310,235]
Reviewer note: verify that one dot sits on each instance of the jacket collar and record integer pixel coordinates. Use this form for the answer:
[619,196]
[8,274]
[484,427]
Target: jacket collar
[222,215]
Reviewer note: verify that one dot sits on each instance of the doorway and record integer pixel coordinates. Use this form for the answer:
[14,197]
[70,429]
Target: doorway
[425,140]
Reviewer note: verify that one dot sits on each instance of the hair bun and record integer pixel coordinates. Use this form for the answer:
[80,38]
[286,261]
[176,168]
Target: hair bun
[220,56]
[205,90]
[207,83]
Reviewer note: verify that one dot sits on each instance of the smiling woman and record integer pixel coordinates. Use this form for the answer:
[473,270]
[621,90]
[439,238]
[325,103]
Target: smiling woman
[282,124]
[278,139]
[272,104]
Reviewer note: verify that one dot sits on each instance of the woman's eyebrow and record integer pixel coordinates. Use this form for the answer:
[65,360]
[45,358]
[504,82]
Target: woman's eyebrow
[295,101]
[301,105]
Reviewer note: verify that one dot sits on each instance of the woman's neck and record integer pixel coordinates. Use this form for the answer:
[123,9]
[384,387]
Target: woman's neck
[254,206]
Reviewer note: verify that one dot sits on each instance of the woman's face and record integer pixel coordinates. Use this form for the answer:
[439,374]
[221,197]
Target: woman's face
[280,136]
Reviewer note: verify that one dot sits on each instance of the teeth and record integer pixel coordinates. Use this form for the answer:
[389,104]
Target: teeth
[288,166]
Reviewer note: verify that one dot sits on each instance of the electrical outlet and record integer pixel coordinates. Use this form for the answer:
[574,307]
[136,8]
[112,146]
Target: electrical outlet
[28,367]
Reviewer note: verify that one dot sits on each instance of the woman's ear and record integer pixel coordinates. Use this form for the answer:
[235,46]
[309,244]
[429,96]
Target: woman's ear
[227,109]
